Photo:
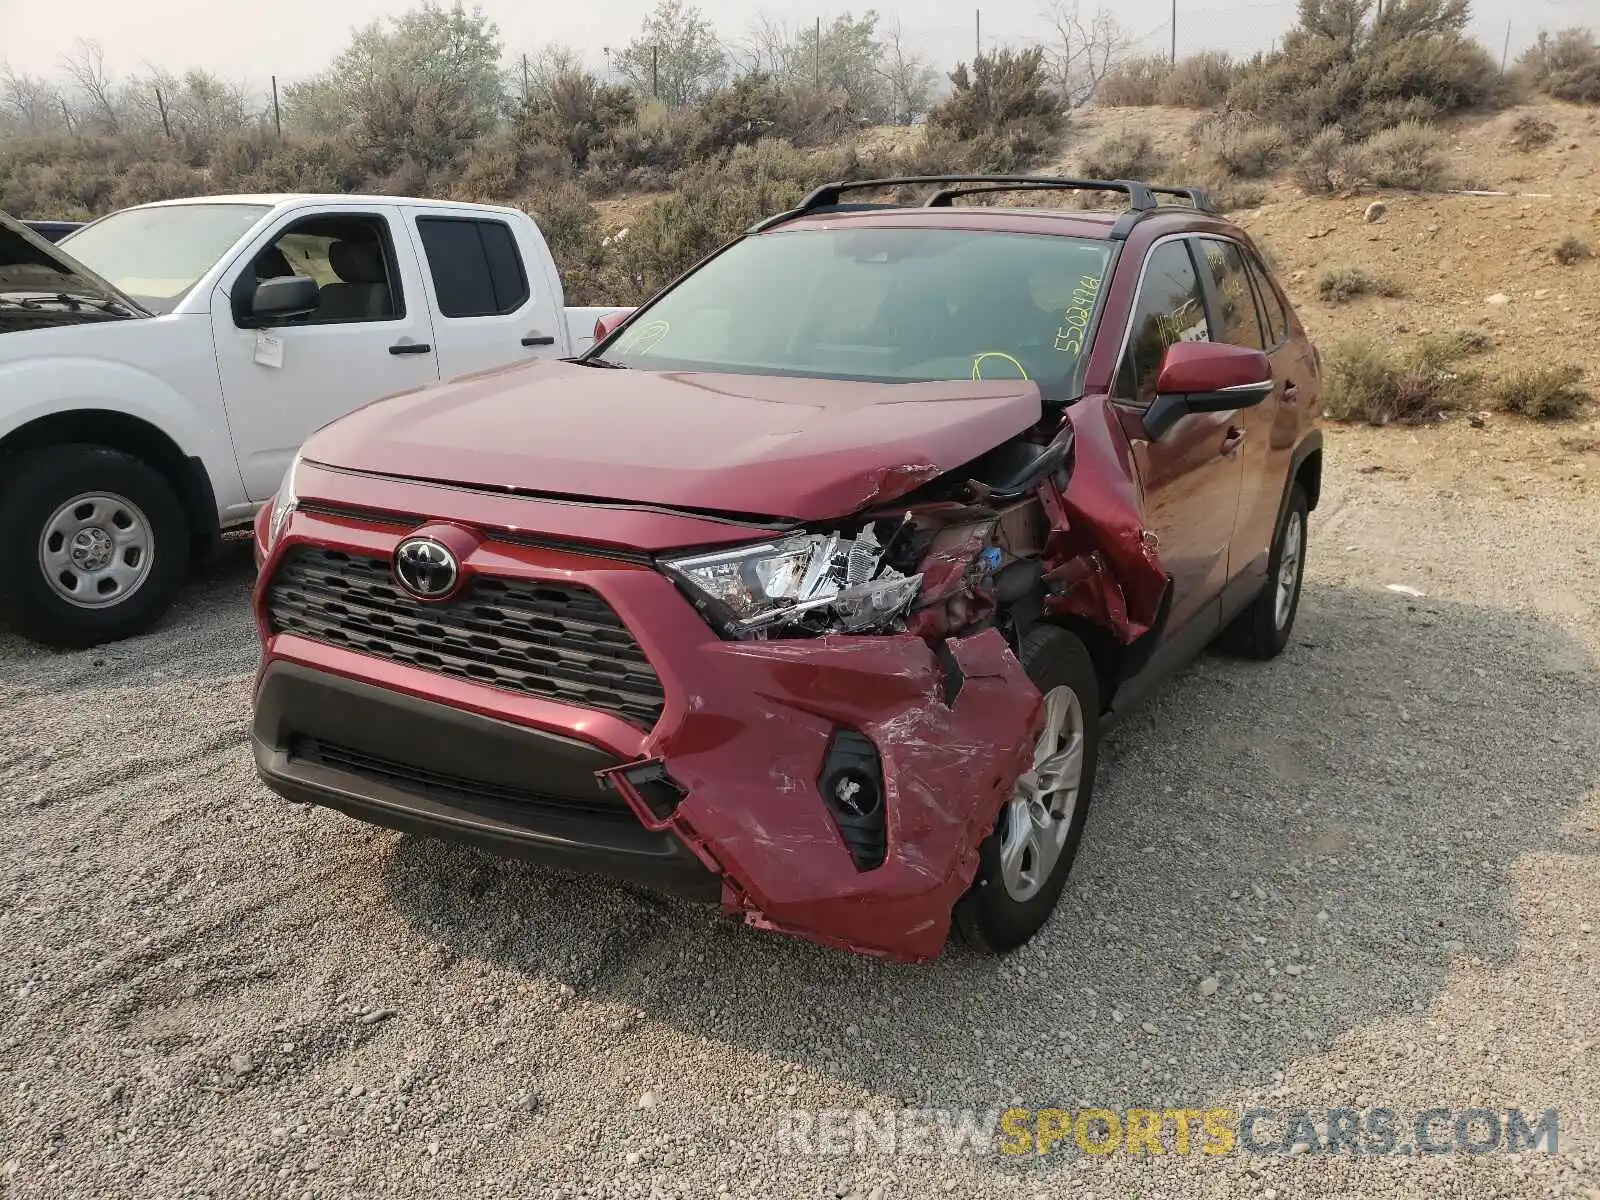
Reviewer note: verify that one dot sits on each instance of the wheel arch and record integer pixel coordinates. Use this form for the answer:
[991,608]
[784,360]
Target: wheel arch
[132,435]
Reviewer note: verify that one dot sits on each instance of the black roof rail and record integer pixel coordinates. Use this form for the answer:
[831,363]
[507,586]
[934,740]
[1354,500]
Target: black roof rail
[1141,196]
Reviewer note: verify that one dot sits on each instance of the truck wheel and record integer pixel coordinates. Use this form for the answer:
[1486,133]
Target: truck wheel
[1262,630]
[1023,864]
[95,544]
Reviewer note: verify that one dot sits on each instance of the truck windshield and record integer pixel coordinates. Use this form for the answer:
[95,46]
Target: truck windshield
[156,255]
[889,305]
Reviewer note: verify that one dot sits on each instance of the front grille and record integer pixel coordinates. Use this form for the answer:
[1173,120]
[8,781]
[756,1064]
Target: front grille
[453,789]
[557,641]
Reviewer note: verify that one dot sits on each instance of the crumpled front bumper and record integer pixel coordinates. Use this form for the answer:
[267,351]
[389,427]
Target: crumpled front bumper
[951,736]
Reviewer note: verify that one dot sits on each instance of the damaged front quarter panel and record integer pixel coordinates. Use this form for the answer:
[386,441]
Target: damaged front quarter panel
[943,711]
[952,733]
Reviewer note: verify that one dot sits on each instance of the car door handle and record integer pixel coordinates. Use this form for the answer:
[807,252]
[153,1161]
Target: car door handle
[1291,393]
[411,348]
[539,339]
[1235,439]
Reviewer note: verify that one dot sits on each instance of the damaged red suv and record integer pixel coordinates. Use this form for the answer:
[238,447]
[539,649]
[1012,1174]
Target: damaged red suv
[814,585]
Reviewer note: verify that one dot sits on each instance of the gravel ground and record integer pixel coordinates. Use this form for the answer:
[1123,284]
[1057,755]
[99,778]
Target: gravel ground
[209,992]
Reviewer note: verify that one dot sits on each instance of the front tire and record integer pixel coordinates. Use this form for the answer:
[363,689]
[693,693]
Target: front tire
[1023,864]
[96,544]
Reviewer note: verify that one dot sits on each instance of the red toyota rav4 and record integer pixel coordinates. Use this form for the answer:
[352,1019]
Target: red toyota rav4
[815,584]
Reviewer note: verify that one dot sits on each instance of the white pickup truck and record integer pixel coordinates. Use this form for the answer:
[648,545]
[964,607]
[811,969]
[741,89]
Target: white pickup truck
[160,367]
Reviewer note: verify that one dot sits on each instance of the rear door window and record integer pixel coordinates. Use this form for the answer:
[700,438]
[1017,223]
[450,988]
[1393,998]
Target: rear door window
[1277,322]
[1169,309]
[1238,321]
[475,266]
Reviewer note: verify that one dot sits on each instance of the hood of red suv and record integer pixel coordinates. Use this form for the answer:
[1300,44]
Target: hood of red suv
[759,445]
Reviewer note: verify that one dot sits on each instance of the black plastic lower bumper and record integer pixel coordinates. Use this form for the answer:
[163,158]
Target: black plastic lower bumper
[425,767]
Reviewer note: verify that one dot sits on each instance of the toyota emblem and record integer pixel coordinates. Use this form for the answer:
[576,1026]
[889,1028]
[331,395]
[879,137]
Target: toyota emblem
[425,568]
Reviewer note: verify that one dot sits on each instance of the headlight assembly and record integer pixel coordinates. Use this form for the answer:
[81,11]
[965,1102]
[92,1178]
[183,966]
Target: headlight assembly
[283,505]
[809,583]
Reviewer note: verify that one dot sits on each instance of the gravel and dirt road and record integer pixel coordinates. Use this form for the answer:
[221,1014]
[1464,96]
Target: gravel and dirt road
[1383,850]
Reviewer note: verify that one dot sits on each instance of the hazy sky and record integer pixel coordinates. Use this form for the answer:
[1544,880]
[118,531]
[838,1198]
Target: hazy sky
[248,40]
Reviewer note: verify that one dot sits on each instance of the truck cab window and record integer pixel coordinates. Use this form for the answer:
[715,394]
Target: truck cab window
[350,260]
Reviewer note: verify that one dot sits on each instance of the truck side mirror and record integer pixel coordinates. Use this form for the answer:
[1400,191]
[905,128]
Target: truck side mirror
[276,300]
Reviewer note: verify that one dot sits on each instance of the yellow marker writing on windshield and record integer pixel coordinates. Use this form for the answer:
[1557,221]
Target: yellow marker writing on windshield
[977,363]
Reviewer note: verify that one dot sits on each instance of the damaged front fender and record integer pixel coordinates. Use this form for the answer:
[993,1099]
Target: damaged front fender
[952,731]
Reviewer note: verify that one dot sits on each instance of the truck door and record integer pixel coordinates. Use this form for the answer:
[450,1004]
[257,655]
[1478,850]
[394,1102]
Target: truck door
[492,301]
[371,335]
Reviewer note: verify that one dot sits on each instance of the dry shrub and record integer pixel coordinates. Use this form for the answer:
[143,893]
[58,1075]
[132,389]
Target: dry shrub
[1530,132]
[1130,154]
[1409,156]
[1543,393]
[1571,249]
[1339,67]
[1239,145]
[1565,65]
[1320,167]
[1135,83]
[1198,81]
[1367,380]
[1231,195]
[1340,285]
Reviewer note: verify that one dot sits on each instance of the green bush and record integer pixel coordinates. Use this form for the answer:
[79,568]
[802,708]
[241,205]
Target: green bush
[1340,65]
[1006,94]
[1543,393]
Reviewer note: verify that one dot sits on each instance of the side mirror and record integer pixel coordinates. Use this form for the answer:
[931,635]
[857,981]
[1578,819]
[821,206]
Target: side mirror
[607,325]
[276,300]
[1201,377]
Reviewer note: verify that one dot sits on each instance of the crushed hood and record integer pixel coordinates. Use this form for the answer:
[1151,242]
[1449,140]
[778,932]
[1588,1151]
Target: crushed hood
[757,445]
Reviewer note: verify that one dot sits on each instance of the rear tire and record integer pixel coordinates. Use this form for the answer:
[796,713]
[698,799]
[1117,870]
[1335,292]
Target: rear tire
[1009,902]
[96,544]
[1262,630]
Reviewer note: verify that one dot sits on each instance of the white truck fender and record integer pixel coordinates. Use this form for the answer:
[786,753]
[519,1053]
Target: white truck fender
[80,375]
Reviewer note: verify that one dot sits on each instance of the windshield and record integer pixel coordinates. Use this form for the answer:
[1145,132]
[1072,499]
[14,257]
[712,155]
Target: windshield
[156,255]
[889,305]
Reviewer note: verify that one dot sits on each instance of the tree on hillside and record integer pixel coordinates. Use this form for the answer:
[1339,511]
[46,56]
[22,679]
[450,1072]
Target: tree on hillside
[30,105]
[198,107]
[847,56]
[911,80]
[423,89]
[1082,52]
[97,91]
[677,57]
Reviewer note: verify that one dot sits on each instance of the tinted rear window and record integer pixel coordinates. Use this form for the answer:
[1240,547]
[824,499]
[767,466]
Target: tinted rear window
[476,269]
[883,304]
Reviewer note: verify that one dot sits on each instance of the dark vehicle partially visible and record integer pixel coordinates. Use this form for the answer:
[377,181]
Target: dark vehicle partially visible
[54,231]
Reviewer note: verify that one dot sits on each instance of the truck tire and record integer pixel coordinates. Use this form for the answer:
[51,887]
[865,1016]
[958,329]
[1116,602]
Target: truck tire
[1012,897]
[95,542]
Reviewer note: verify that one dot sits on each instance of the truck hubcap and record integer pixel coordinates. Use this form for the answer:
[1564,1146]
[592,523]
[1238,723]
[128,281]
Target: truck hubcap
[96,550]
[1038,817]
